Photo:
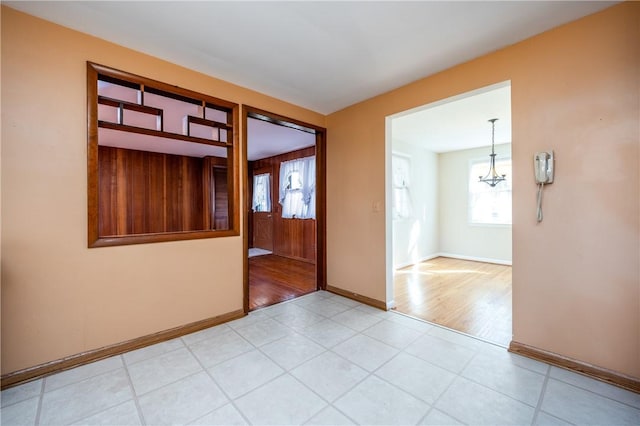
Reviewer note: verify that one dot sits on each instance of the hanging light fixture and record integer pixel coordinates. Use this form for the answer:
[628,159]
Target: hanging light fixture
[492,178]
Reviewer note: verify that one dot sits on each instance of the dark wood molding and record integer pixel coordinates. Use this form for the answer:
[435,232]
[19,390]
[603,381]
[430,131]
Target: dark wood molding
[161,237]
[358,297]
[245,214]
[321,209]
[281,120]
[56,366]
[321,170]
[593,371]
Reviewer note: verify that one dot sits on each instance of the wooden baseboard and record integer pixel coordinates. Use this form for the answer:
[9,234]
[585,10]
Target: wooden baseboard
[599,373]
[56,366]
[358,297]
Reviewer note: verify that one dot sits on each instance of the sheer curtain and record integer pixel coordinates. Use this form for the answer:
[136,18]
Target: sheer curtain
[402,206]
[261,193]
[298,188]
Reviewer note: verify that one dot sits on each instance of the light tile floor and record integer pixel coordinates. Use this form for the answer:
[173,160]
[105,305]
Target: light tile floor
[325,360]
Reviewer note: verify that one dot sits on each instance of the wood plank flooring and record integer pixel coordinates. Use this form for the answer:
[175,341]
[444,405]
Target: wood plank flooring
[472,297]
[274,279]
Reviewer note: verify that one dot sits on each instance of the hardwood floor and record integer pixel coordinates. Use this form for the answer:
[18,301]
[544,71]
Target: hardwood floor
[274,279]
[472,297]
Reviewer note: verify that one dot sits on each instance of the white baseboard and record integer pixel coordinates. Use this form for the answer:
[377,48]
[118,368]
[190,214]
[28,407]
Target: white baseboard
[424,259]
[476,259]
[455,256]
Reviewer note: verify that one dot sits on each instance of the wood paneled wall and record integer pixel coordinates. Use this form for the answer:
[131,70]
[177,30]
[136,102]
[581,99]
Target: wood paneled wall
[293,238]
[145,192]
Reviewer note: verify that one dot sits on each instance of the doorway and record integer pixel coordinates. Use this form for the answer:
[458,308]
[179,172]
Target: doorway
[448,232]
[284,222]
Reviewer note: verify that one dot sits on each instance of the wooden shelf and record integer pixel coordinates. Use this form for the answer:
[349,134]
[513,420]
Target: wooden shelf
[209,123]
[131,106]
[103,100]
[158,133]
[213,125]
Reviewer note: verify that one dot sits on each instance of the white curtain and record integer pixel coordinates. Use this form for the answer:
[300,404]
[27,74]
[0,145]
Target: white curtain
[298,188]
[402,205]
[261,193]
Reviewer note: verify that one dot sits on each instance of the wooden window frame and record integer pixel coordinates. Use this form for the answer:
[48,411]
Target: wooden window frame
[94,71]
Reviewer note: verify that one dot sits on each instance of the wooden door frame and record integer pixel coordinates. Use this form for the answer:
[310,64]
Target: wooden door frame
[321,192]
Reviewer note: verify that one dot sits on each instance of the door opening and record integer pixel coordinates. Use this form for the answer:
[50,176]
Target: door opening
[284,222]
[449,233]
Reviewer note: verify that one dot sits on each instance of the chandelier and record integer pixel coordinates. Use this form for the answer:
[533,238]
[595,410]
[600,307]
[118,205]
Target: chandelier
[492,178]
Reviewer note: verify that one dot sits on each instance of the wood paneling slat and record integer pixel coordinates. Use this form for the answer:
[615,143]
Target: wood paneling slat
[221,198]
[146,192]
[292,238]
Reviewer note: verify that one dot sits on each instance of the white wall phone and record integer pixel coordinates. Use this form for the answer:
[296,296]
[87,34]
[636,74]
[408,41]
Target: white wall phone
[543,171]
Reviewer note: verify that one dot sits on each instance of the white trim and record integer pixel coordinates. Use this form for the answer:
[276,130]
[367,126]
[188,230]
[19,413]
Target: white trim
[424,259]
[456,256]
[452,99]
[476,259]
[388,212]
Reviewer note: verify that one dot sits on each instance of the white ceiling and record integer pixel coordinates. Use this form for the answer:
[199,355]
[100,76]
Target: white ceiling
[320,55]
[266,140]
[457,123]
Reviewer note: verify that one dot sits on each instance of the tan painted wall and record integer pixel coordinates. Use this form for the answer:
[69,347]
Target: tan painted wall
[58,297]
[575,90]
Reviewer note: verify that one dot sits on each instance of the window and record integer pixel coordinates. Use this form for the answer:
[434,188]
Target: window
[489,205]
[402,206]
[162,164]
[262,193]
[298,188]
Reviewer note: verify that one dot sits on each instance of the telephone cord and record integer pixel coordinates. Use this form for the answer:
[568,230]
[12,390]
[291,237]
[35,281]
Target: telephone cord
[539,210]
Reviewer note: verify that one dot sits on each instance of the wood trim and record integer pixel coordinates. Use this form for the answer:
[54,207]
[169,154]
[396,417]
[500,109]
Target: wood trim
[245,214]
[56,366]
[281,120]
[321,209]
[162,237]
[358,297]
[92,155]
[593,371]
[233,179]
